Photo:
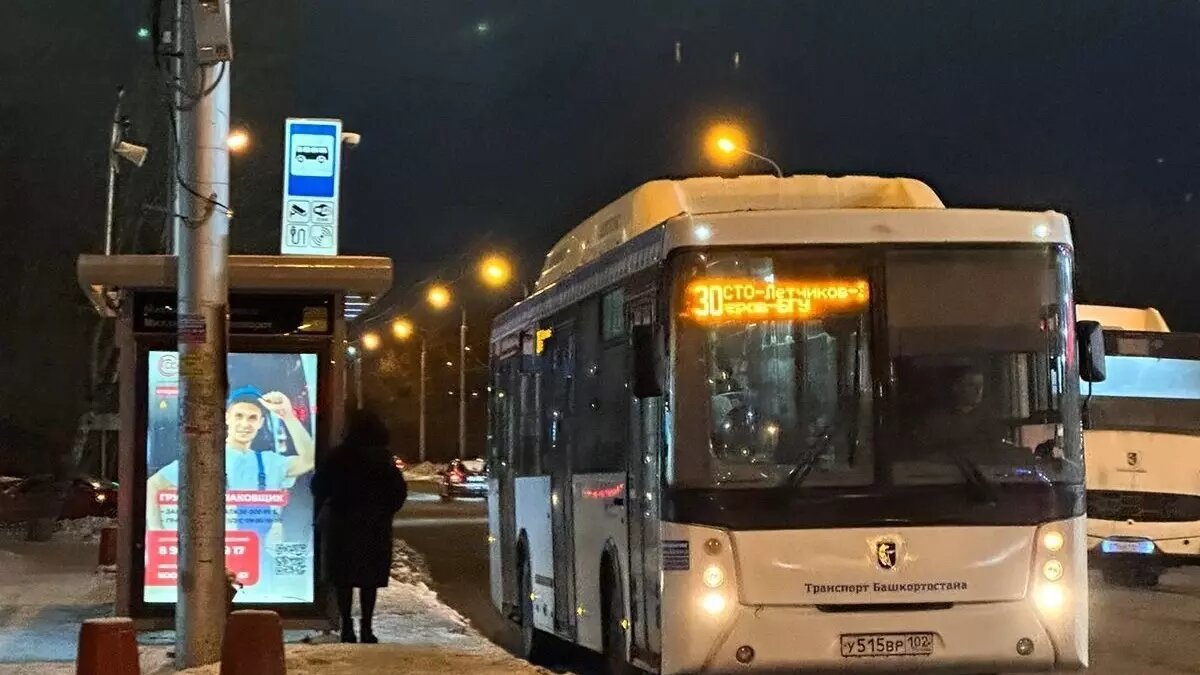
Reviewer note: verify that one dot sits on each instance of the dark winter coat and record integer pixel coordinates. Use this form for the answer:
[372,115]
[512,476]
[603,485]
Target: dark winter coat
[360,490]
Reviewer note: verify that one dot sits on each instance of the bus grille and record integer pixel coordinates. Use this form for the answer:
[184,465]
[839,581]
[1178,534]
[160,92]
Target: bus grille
[1143,507]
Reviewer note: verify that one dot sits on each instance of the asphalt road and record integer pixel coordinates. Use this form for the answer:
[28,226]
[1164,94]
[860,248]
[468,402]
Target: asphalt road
[1134,632]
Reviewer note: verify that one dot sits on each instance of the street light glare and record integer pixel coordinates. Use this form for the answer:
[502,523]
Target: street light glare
[402,329]
[238,140]
[724,142]
[370,342]
[495,271]
[438,297]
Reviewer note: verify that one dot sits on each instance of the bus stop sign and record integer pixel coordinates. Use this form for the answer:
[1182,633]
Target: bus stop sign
[312,157]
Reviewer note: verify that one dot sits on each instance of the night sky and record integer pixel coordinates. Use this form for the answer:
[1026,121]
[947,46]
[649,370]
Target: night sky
[499,125]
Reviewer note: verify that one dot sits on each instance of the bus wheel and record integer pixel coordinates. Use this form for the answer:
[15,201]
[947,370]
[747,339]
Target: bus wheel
[615,658]
[536,646]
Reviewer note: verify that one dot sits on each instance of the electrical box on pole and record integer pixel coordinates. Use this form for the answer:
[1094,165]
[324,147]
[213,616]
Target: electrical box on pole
[214,42]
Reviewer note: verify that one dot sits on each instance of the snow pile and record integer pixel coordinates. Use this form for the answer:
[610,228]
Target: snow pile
[79,530]
[83,529]
[425,471]
[408,566]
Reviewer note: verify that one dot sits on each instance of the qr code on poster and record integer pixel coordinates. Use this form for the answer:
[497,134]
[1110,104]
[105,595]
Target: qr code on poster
[291,560]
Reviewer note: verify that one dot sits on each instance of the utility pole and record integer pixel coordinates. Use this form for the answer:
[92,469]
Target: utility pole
[203,255]
[462,385]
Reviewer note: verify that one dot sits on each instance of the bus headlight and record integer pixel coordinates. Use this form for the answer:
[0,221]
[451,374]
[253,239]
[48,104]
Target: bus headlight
[714,576]
[713,603]
[1050,598]
[1053,541]
[1052,570]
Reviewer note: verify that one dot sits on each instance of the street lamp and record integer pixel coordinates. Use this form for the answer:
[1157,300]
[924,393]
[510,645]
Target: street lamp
[403,329]
[725,142]
[369,342]
[438,297]
[238,140]
[495,271]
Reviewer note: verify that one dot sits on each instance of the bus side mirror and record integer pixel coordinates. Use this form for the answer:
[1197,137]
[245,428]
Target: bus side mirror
[1091,351]
[648,359]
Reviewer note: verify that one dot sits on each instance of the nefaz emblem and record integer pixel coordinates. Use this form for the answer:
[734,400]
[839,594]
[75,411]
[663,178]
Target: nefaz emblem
[887,553]
[1132,459]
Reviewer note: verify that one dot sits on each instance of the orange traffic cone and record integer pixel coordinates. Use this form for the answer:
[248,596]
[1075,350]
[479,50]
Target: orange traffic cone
[253,644]
[107,647]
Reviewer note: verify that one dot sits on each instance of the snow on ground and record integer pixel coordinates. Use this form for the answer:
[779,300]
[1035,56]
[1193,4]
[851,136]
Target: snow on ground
[46,590]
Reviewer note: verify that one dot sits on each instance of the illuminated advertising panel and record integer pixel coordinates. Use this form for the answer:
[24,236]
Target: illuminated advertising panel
[712,300]
[270,424]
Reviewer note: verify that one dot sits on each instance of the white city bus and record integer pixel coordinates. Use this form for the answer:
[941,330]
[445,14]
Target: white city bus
[1143,440]
[795,424]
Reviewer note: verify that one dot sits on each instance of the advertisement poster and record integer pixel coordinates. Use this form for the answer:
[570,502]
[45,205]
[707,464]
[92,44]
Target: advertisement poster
[270,453]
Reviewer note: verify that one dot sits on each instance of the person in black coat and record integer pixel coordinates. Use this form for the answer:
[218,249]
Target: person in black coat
[356,493]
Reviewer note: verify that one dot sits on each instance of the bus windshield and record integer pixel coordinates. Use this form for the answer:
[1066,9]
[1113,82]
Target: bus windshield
[839,370]
[1153,384]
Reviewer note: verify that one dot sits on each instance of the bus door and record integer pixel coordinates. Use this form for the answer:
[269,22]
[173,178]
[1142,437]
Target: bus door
[559,383]
[645,454]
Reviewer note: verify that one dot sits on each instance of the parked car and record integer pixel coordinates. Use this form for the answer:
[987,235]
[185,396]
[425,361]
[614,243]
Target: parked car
[29,498]
[463,478]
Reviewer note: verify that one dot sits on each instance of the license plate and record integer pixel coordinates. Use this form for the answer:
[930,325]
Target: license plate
[475,479]
[1142,546]
[887,644]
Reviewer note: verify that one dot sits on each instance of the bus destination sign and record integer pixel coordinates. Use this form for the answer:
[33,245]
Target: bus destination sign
[710,300]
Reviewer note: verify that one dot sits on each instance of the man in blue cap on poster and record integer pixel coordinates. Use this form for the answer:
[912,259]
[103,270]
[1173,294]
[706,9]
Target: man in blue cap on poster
[246,468]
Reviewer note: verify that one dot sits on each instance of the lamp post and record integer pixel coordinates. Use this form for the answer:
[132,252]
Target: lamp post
[726,141]
[403,329]
[494,271]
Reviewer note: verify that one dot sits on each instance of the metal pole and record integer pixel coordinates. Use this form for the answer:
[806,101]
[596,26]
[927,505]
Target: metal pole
[114,137]
[358,383]
[203,385]
[421,424]
[462,386]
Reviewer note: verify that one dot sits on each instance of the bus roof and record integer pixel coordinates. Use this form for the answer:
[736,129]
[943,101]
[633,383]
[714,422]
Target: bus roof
[646,206]
[1147,319]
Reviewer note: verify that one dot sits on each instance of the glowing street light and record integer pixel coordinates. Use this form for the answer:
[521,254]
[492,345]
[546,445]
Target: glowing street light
[238,140]
[402,329]
[438,297]
[495,271]
[727,142]
[370,341]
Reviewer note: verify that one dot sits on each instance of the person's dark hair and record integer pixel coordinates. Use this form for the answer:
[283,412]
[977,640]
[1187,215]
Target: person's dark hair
[364,429]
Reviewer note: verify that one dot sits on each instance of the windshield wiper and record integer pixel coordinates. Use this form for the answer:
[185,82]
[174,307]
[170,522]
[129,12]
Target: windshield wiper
[977,484]
[801,470]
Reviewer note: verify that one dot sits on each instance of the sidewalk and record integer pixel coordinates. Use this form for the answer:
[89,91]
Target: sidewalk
[46,590]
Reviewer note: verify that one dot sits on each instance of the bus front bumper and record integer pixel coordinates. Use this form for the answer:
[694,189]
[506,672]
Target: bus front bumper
[1173,543]
[967,638]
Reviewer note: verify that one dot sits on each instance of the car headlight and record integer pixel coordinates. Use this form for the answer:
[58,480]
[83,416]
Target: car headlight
[101,497]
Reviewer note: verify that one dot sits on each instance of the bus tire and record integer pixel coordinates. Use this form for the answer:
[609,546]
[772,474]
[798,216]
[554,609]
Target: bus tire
[536,646]
[616,661]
